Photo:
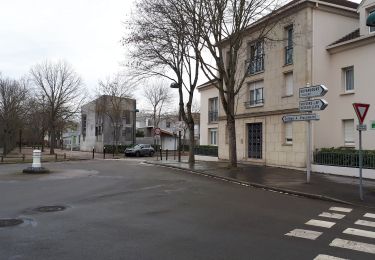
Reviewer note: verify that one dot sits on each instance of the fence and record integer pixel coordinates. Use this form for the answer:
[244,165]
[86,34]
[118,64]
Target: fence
[28,158]
[206,150]
[345,158]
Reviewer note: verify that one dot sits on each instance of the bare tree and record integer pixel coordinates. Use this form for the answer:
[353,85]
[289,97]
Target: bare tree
[158,96]
[59,86]
[13,97]
[113,93]
[223,33]
[161,46]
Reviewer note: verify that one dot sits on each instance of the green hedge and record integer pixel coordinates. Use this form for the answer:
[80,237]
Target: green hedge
[120,148]
[206,150]
[345,157]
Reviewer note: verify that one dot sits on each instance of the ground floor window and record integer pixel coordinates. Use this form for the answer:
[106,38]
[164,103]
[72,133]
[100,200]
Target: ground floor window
[348,126]
[288,133]
[213,136]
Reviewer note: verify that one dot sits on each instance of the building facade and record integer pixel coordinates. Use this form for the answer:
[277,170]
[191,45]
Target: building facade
[107,120]
[310,48]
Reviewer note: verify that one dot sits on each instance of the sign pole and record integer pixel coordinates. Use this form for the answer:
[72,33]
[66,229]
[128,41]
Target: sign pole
[308,168]
[360,165]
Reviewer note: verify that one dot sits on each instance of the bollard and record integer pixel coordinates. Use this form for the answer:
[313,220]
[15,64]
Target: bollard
[93,153]
[161,155]
[166,154]
[103,152]
[23,157]
[37,156]
[64,156]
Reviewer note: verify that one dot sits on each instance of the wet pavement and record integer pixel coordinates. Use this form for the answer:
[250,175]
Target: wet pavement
[321,186]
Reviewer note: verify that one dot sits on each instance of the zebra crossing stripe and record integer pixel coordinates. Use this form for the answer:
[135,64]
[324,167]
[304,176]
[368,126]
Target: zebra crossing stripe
[365,223]
[303,233]
[353,245]
[332,215]
[347,210]
[320,223]
[369,215]
[359,232]
[328,257]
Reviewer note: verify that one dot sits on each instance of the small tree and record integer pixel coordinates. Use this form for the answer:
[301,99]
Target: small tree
[59,87]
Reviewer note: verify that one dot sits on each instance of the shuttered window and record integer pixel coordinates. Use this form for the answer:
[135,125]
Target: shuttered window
[213,136]
[348,131]
[288,133]
[348,79]
[289,84]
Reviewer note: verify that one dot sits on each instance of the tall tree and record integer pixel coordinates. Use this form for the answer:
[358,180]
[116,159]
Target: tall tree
[13,97]
[61,89]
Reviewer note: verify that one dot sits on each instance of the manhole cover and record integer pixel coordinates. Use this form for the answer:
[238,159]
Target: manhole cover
[10,222]
[50,208]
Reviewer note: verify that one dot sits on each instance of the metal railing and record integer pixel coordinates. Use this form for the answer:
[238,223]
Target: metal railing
[206,150]
[255,64]
[212,116]
[344,159]
[288,55]
[253,103]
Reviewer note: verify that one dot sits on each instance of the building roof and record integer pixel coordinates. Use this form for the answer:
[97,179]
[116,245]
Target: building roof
[351,36]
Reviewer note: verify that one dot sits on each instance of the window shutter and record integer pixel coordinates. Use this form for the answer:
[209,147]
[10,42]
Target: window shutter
[289,84]
[349,131]
[288,133]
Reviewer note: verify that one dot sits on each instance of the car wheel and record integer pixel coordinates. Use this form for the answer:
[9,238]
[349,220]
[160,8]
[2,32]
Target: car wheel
[137,154]
[151,154]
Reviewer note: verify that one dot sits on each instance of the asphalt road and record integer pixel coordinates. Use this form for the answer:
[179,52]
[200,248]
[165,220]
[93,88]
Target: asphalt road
[129,210]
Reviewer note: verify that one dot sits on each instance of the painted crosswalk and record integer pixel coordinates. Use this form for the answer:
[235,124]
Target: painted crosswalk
[356,229]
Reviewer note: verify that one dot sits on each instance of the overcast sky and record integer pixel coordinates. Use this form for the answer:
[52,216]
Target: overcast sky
[86,33]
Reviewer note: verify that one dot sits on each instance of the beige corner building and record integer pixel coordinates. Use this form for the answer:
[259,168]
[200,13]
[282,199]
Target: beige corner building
[323,42]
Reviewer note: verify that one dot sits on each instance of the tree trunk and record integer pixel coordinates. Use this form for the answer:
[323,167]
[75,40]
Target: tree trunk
[231,128]
[52,141]
[191,143]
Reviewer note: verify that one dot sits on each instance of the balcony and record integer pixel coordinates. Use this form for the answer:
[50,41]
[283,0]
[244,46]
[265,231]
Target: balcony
[255,64]
[288,55]
[254,103]
[212,116]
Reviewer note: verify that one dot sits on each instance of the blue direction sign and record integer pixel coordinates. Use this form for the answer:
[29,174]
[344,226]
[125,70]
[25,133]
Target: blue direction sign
[303,117]
[312,105]
[313,91]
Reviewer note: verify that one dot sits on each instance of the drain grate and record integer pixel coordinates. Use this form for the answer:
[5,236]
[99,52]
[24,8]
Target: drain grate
[10,222]
[50,208]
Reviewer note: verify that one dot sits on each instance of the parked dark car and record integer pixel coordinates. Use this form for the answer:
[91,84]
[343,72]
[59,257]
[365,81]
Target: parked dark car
[140,150]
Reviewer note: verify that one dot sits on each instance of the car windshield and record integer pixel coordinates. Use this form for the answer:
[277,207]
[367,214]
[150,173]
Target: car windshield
[137,146]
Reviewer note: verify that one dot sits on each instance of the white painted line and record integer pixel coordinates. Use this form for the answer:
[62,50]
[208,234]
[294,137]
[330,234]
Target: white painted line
[369,215]
[365,223]
[347,210]
[359,232]
[328,257]
[358,246]
[320,223]
[303,233]
[332,215]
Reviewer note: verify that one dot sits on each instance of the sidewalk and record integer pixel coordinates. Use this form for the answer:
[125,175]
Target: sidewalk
[321,186]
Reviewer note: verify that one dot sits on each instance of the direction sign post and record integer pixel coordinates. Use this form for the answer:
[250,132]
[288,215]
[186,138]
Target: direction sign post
[361,111]
[313,91]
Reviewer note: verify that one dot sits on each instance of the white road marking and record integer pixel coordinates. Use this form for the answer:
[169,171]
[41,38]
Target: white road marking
[347,210]
[320,223]
[359,232]
[332,215]
[369,215]
[365,223]
[353,245]
[303,233]
[328,257]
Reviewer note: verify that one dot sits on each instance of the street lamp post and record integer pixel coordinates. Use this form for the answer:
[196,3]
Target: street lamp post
[177,86]
[134,123]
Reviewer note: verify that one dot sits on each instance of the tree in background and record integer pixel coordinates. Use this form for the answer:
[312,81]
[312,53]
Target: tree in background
[13,100]
[60,88]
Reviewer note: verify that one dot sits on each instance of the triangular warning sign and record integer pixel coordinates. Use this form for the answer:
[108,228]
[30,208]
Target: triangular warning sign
[361,111]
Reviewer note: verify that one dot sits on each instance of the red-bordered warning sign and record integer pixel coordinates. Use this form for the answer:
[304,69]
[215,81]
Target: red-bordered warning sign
[361,111]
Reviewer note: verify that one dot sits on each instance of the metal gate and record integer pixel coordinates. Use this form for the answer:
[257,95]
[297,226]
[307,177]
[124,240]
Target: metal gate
[255,140]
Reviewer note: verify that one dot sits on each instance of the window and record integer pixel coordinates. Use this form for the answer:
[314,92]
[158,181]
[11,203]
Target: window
[84,121]
[371,28]
[256,62]
[123,132]
[168,124]
[288,77]
[289,45]
[288,133]
[212,110]
[256,94]
[348,76]
[213,136]
[348,132]
[126,116]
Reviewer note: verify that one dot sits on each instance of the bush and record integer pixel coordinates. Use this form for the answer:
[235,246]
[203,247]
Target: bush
[120,148]
[206,150]
[346,157]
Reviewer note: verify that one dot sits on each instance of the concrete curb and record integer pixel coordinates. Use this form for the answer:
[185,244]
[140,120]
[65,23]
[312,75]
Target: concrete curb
[261,186]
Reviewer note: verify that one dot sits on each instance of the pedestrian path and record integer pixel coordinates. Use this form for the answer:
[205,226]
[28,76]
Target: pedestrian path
[361,231]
